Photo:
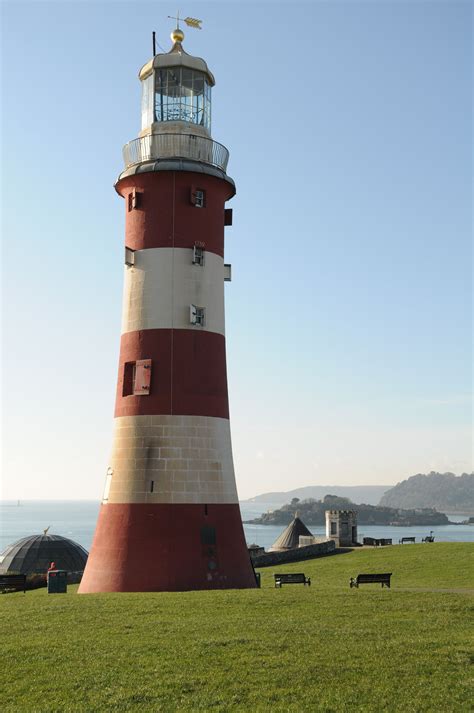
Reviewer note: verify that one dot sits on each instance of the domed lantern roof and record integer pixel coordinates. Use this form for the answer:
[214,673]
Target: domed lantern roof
[34,554]
[177,57]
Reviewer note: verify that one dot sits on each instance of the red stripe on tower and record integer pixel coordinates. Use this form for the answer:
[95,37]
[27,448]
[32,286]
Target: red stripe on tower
[170,517]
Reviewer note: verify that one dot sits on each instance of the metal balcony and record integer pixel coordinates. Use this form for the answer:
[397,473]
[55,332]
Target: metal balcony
[184,146]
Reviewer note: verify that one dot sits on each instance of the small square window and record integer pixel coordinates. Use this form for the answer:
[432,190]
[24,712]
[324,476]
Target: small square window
[198,255]
[198,197]
[196,315]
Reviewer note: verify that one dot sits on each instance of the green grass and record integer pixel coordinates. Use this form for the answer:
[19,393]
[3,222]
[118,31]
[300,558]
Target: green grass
[324,648]
[448,565]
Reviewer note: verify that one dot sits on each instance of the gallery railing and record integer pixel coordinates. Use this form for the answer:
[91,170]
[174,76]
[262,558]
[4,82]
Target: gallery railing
[186,146]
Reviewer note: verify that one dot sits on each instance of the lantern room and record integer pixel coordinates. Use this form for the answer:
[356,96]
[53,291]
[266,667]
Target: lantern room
[176,92]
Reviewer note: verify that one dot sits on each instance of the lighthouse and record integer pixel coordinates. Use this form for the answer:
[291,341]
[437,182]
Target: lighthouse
[170,517]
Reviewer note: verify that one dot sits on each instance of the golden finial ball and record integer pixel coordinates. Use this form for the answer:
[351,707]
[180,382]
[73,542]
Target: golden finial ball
[177,35]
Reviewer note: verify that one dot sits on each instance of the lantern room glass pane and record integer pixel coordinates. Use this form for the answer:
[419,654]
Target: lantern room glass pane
[147,102]
[182,94]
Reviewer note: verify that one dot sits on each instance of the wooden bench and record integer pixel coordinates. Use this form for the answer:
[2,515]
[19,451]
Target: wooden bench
[406,539]
[384,579]
[298,578]
[382,542]
[16,582]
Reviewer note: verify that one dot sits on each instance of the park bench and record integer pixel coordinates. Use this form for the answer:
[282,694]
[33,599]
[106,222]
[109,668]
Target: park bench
[382,542]
[429,538]
[298,578]
[406,539]
[12,581]
[384,579]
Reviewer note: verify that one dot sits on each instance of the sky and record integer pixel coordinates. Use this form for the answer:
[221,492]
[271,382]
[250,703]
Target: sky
[348,318]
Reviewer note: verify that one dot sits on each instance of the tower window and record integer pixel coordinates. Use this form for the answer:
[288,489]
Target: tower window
[196,315]
[129,256]
[333,528]
[137,378]
[134,200]
[152,485]
[198,255]
[198,197]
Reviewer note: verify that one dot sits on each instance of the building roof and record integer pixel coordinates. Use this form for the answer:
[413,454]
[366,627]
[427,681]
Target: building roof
[34,554]
[176,57]
[290,537]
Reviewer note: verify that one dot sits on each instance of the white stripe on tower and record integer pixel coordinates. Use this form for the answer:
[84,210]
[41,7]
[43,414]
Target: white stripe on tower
[162,284]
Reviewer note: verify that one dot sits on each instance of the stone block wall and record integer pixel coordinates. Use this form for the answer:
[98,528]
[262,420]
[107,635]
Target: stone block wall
[295,555]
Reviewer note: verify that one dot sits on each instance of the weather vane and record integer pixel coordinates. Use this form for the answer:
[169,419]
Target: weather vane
[177,35]
[190,21]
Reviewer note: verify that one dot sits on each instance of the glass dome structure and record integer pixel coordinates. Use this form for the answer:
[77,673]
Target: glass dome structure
[34,554]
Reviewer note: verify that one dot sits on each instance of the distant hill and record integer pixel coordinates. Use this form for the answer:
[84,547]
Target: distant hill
[312,512]
[444,491]
[369,494]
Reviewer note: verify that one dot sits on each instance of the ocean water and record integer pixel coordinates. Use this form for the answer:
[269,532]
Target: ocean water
[76,519]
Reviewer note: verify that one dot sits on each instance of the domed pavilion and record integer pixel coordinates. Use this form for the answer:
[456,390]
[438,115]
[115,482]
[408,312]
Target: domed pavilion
[34,554]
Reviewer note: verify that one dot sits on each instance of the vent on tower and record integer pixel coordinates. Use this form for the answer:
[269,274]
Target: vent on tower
[198,255]
[196,315]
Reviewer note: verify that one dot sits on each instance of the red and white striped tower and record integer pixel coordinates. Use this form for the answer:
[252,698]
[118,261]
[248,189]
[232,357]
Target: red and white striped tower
[170,517]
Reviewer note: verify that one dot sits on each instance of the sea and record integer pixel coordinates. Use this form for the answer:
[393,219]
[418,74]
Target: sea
[76,520]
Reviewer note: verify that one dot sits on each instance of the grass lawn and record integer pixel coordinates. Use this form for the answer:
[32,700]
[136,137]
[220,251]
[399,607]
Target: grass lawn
[323,648]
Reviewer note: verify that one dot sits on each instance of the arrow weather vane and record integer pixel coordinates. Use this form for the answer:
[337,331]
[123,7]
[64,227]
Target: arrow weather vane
[190,21]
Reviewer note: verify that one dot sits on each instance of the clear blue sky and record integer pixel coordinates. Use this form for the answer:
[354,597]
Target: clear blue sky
[348,318]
